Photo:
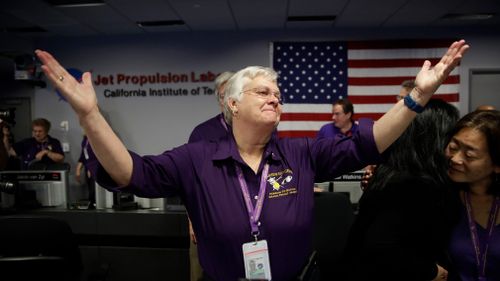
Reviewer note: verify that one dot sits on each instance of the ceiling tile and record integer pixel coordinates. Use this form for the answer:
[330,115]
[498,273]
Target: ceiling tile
[120,16]
[260,14]
[365,13]
[315,7]
[204,15]
[150,10]
[102,19]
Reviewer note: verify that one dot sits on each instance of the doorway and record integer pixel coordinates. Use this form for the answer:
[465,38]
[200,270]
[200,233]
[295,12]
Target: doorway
[484,88]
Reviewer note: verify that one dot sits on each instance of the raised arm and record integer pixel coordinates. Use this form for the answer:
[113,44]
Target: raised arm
[392,124]
[108,148]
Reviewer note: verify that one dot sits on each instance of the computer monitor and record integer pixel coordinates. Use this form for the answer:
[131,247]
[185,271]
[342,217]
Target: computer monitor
[350,183]
[47,188]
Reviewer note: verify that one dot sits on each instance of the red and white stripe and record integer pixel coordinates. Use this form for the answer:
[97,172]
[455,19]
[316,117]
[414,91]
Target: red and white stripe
[375,72]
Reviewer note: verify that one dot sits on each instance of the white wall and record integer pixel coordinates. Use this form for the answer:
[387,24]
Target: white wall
[153,124]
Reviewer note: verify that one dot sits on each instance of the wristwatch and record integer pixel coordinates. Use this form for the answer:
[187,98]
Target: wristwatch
[413,105]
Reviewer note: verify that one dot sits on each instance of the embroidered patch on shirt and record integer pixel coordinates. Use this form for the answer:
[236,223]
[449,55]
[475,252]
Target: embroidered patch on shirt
[280,182]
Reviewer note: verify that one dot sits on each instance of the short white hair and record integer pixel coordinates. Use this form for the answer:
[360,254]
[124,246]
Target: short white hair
[235,85]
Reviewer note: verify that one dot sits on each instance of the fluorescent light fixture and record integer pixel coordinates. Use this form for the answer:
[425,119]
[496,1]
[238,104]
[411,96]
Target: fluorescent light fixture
[25,29]
[468,17]
[81,5]
[75,3]
[312,18]
[159,23]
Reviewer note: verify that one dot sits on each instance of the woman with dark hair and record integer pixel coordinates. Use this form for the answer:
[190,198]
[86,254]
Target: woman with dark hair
[474,165]
[399,232]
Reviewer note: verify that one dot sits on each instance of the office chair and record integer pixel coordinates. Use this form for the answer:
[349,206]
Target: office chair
[333,217]
[38,249]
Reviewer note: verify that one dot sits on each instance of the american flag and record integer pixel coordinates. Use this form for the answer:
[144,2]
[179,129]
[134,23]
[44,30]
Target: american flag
[313,75]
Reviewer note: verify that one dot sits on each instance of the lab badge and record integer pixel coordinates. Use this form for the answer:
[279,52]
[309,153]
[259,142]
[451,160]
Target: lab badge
[256,259]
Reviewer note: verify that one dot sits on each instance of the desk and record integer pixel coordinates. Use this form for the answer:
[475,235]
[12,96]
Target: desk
[129,245]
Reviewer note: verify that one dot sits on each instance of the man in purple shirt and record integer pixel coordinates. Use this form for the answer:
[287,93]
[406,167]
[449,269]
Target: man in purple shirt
[40,148]
[216,127]
[247,188]
[343,124]
[210,130]
[86,160]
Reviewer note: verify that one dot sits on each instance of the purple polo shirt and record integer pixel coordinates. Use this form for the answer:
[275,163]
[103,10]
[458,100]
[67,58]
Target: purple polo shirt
[463,255]
[28,148]
[87,156]
[329,131]
[203,174]
[212,129]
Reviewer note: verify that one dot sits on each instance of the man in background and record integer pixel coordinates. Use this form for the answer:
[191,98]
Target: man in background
[41,148]
[406,88]
[216,127]
[85,161]
[212,129]
[4,155]
[485,107]
[343,123]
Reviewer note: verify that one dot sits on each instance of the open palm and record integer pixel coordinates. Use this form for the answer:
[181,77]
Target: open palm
[429,78]
[81,96]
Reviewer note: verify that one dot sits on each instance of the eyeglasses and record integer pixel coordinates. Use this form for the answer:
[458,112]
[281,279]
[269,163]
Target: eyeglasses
[265,93]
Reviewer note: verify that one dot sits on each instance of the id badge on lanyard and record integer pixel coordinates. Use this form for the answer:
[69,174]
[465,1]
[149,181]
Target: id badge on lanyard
[256,259]
[256,253]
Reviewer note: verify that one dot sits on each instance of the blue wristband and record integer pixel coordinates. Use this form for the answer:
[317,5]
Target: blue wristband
[411,104]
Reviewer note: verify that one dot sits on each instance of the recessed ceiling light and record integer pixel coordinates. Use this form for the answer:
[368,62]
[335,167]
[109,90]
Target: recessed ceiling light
[468,17]
[159,23]
[311,18]
[75,3]
[26,29]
